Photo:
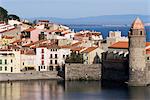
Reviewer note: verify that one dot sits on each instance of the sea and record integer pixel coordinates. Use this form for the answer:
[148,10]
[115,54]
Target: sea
[105,29]
[70,90]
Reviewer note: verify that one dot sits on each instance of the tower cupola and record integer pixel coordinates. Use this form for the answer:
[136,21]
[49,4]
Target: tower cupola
[137,24]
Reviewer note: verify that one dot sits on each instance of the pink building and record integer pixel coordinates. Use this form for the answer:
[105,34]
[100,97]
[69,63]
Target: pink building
[32,34]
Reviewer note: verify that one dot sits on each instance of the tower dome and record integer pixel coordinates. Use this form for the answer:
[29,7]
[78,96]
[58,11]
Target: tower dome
[137,24]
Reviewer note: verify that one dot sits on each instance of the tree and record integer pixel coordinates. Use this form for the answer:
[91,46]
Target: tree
[74,58]
[3,14]
[14,17]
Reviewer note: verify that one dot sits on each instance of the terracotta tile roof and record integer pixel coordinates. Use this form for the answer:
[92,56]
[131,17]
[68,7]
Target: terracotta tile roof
[16,41]
[8,30]
[148,51]
[72,45]
[29,29]
[88,50]
[8,37]
[77,43]
[58,30]
[121,44]
[37,42]
[30,52]
[147,43]
[124,45]
[27,52]
[66,46]
[77,48]
[43,20]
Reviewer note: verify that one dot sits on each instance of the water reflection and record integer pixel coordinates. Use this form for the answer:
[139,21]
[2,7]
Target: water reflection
[75,90]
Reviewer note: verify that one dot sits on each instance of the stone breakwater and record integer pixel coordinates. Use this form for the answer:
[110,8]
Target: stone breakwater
[29,76]
[82,72]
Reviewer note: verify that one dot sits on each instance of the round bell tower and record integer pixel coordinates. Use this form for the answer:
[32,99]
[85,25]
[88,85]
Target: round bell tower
[137,54]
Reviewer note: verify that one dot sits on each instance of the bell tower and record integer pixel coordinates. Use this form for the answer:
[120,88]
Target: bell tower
[137,54]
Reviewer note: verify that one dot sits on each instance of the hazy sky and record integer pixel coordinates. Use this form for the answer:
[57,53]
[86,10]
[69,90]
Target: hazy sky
[75,8]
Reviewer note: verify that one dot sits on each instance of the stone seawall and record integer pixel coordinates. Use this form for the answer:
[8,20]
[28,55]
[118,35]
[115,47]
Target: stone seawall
[82,72]
[29,76]
[148,75]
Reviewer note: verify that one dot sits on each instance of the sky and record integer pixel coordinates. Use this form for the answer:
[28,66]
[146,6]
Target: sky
[75,8]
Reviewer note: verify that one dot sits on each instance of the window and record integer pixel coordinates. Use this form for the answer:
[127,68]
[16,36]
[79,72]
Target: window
[51,56]
[42,62]
[63,56]
[51,68]
[11,61]
[44,67]
[5,61]
[55,55]
[23,63]
[141,32]
[0,68]
[5,68]
[51,62]
[42,56]
[42,50]
[55,61]
[0,61]
[67,56]
[147,58]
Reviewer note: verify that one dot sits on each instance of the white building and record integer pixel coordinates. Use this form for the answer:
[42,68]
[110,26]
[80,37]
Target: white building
[14,22]
[50,57]
[42,56]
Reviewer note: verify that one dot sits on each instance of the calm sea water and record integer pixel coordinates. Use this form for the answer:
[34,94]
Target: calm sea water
[59,90]
[105,29]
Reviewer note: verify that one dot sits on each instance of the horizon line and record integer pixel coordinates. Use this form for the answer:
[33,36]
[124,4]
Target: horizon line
[87,16]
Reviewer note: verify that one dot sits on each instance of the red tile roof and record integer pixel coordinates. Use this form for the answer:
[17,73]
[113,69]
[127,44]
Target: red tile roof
[16,41]
[88,50]
[147,43]
[148,51]
[77,43]
[8,30]
[77,48]
[121,44]
[43,20]
[29,29]
[8,37]
[124,45]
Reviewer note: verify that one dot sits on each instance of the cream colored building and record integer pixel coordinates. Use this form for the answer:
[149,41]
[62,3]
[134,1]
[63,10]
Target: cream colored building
[115,36]
[92,55]
[9,61]
[28,60]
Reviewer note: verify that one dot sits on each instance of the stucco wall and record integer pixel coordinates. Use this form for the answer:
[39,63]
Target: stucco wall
[82,72]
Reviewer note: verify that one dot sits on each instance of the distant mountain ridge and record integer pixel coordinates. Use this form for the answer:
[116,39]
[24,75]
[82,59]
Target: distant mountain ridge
[98,20]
